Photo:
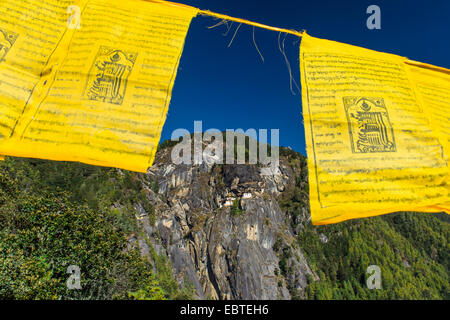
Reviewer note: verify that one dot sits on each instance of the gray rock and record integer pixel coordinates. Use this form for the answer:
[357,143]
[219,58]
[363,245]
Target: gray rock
[225,255]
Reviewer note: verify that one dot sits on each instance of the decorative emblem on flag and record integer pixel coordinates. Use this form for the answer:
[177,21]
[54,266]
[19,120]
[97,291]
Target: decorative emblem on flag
[369,126]
[108,76]
[7,40]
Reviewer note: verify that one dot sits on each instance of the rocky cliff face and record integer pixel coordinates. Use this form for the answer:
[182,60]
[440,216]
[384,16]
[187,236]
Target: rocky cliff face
[223,230]
[220,231]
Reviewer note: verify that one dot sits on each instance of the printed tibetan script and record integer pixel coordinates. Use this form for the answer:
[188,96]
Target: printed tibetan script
[377,132]
[98,94]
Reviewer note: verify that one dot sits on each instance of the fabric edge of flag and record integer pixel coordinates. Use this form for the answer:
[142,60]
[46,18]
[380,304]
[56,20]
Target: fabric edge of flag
[308,137]
[169,95]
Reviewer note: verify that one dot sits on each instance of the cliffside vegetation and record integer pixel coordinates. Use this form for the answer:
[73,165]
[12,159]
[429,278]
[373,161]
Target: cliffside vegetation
[56,214]
[411,249]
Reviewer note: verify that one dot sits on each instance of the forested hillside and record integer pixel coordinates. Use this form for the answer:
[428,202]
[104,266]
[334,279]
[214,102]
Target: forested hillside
[56,214]
[411,249]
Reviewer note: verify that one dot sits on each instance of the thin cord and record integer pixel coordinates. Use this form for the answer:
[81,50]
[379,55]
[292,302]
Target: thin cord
[225,17]
[232,39]
[256,46]
[281,47]
[244,21]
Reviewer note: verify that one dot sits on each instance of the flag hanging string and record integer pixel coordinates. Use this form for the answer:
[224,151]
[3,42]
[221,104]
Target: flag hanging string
[251,23]
[230,18]
[263,26]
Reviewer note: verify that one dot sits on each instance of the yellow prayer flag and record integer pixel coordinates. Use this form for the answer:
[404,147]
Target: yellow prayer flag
[97,94]
[377,132]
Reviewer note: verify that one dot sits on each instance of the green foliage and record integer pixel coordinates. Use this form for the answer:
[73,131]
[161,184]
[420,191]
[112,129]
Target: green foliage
[296,198]
[56,214]
[285,268]
[149,292]
[411,249]
[164,274]
[235,208]
[409,269]
[48,233]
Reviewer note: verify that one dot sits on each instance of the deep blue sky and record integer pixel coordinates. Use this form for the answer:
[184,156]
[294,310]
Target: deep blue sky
[231,88]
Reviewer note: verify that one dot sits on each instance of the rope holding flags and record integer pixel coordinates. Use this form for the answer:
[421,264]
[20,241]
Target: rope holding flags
[229,18]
